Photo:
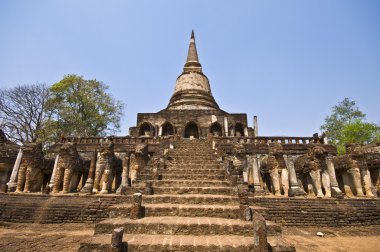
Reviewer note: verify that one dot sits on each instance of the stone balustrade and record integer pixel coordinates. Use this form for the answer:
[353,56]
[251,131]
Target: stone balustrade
[266,140]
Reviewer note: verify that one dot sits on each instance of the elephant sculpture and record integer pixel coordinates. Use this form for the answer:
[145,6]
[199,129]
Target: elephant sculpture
[313,165]
[137,161]
[353,164]
[32,169]
[273,164]
[69,168]
[106,166]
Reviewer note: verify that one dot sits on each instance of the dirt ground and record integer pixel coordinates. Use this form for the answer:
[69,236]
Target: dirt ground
[347,239]
[67,237]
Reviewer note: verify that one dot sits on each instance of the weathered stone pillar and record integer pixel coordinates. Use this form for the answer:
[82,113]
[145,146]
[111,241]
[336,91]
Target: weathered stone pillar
[12,184]
[285,181]
[91,175]
[124,175]
[51,182]
[256,174]
[136,208]
[255,127]
[160,131]
[225,126]
[245,211]
[367,184]
[294,189]
[245,131]
[259,233]
[335,191]
[106,180]
[249,169]
[326,184]
[117,239]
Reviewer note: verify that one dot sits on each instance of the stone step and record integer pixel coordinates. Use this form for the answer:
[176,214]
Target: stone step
[207,243]
[199,172]
[174,225]
[194,190]
[192,162]
[192,167]
[202,199]
[198,155]
[193,176]
[183,210]
[188,183]
[191,171]
[153,243]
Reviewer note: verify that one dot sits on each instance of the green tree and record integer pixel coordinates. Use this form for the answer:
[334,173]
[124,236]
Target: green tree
[347,124]
[360,132]
[84,107]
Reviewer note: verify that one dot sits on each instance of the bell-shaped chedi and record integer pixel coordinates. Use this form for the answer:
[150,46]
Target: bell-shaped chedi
[192,90]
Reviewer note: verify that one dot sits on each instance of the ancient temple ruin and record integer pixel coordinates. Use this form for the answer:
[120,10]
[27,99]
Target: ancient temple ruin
[192,111]
[193,170]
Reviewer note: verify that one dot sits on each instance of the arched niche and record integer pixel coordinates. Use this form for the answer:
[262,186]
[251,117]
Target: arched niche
[191,129]
[239,129]
[216,129]
[167,129]
[146,129]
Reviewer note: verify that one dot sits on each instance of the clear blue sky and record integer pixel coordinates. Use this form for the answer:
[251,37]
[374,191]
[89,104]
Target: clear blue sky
[288,62]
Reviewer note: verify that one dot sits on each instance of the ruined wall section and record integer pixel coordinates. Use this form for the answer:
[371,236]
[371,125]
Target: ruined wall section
[202,118]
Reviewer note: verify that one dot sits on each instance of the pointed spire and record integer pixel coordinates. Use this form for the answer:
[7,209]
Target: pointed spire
[192,62]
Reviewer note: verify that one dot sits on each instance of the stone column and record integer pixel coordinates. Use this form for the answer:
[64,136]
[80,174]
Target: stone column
[259,233]
[136,209]
[160,131]
[106,181]
[87,188]
[51,182]
[367,183]
[117,239]
[335,191]
[249,169]
[12,184]
[256,164]
[125,173]
[285,181]
[225,126]
[245,131]
[294,189]
[255,128]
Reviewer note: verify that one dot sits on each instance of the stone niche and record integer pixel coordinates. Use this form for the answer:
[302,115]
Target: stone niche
[187,123]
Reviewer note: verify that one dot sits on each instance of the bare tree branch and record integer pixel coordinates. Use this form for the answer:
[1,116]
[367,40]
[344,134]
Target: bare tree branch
[22,111]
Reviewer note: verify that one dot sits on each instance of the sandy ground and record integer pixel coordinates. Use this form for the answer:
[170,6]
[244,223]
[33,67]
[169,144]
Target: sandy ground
[345,239]
[67,237]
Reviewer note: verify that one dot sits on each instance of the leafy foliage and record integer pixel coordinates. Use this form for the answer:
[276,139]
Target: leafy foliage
[347,124]
[83,107]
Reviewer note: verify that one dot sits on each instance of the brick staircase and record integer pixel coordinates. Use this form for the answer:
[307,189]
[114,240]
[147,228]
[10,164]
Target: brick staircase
[193,208]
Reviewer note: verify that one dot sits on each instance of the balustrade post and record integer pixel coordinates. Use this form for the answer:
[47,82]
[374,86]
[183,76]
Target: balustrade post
[256,165]
[51,182]
[12,184]
[87,188]
[294,189]
[335,190]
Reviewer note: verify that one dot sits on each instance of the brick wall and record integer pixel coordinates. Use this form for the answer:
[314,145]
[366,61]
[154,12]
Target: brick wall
[286,211]
[321,212]
[55,209]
